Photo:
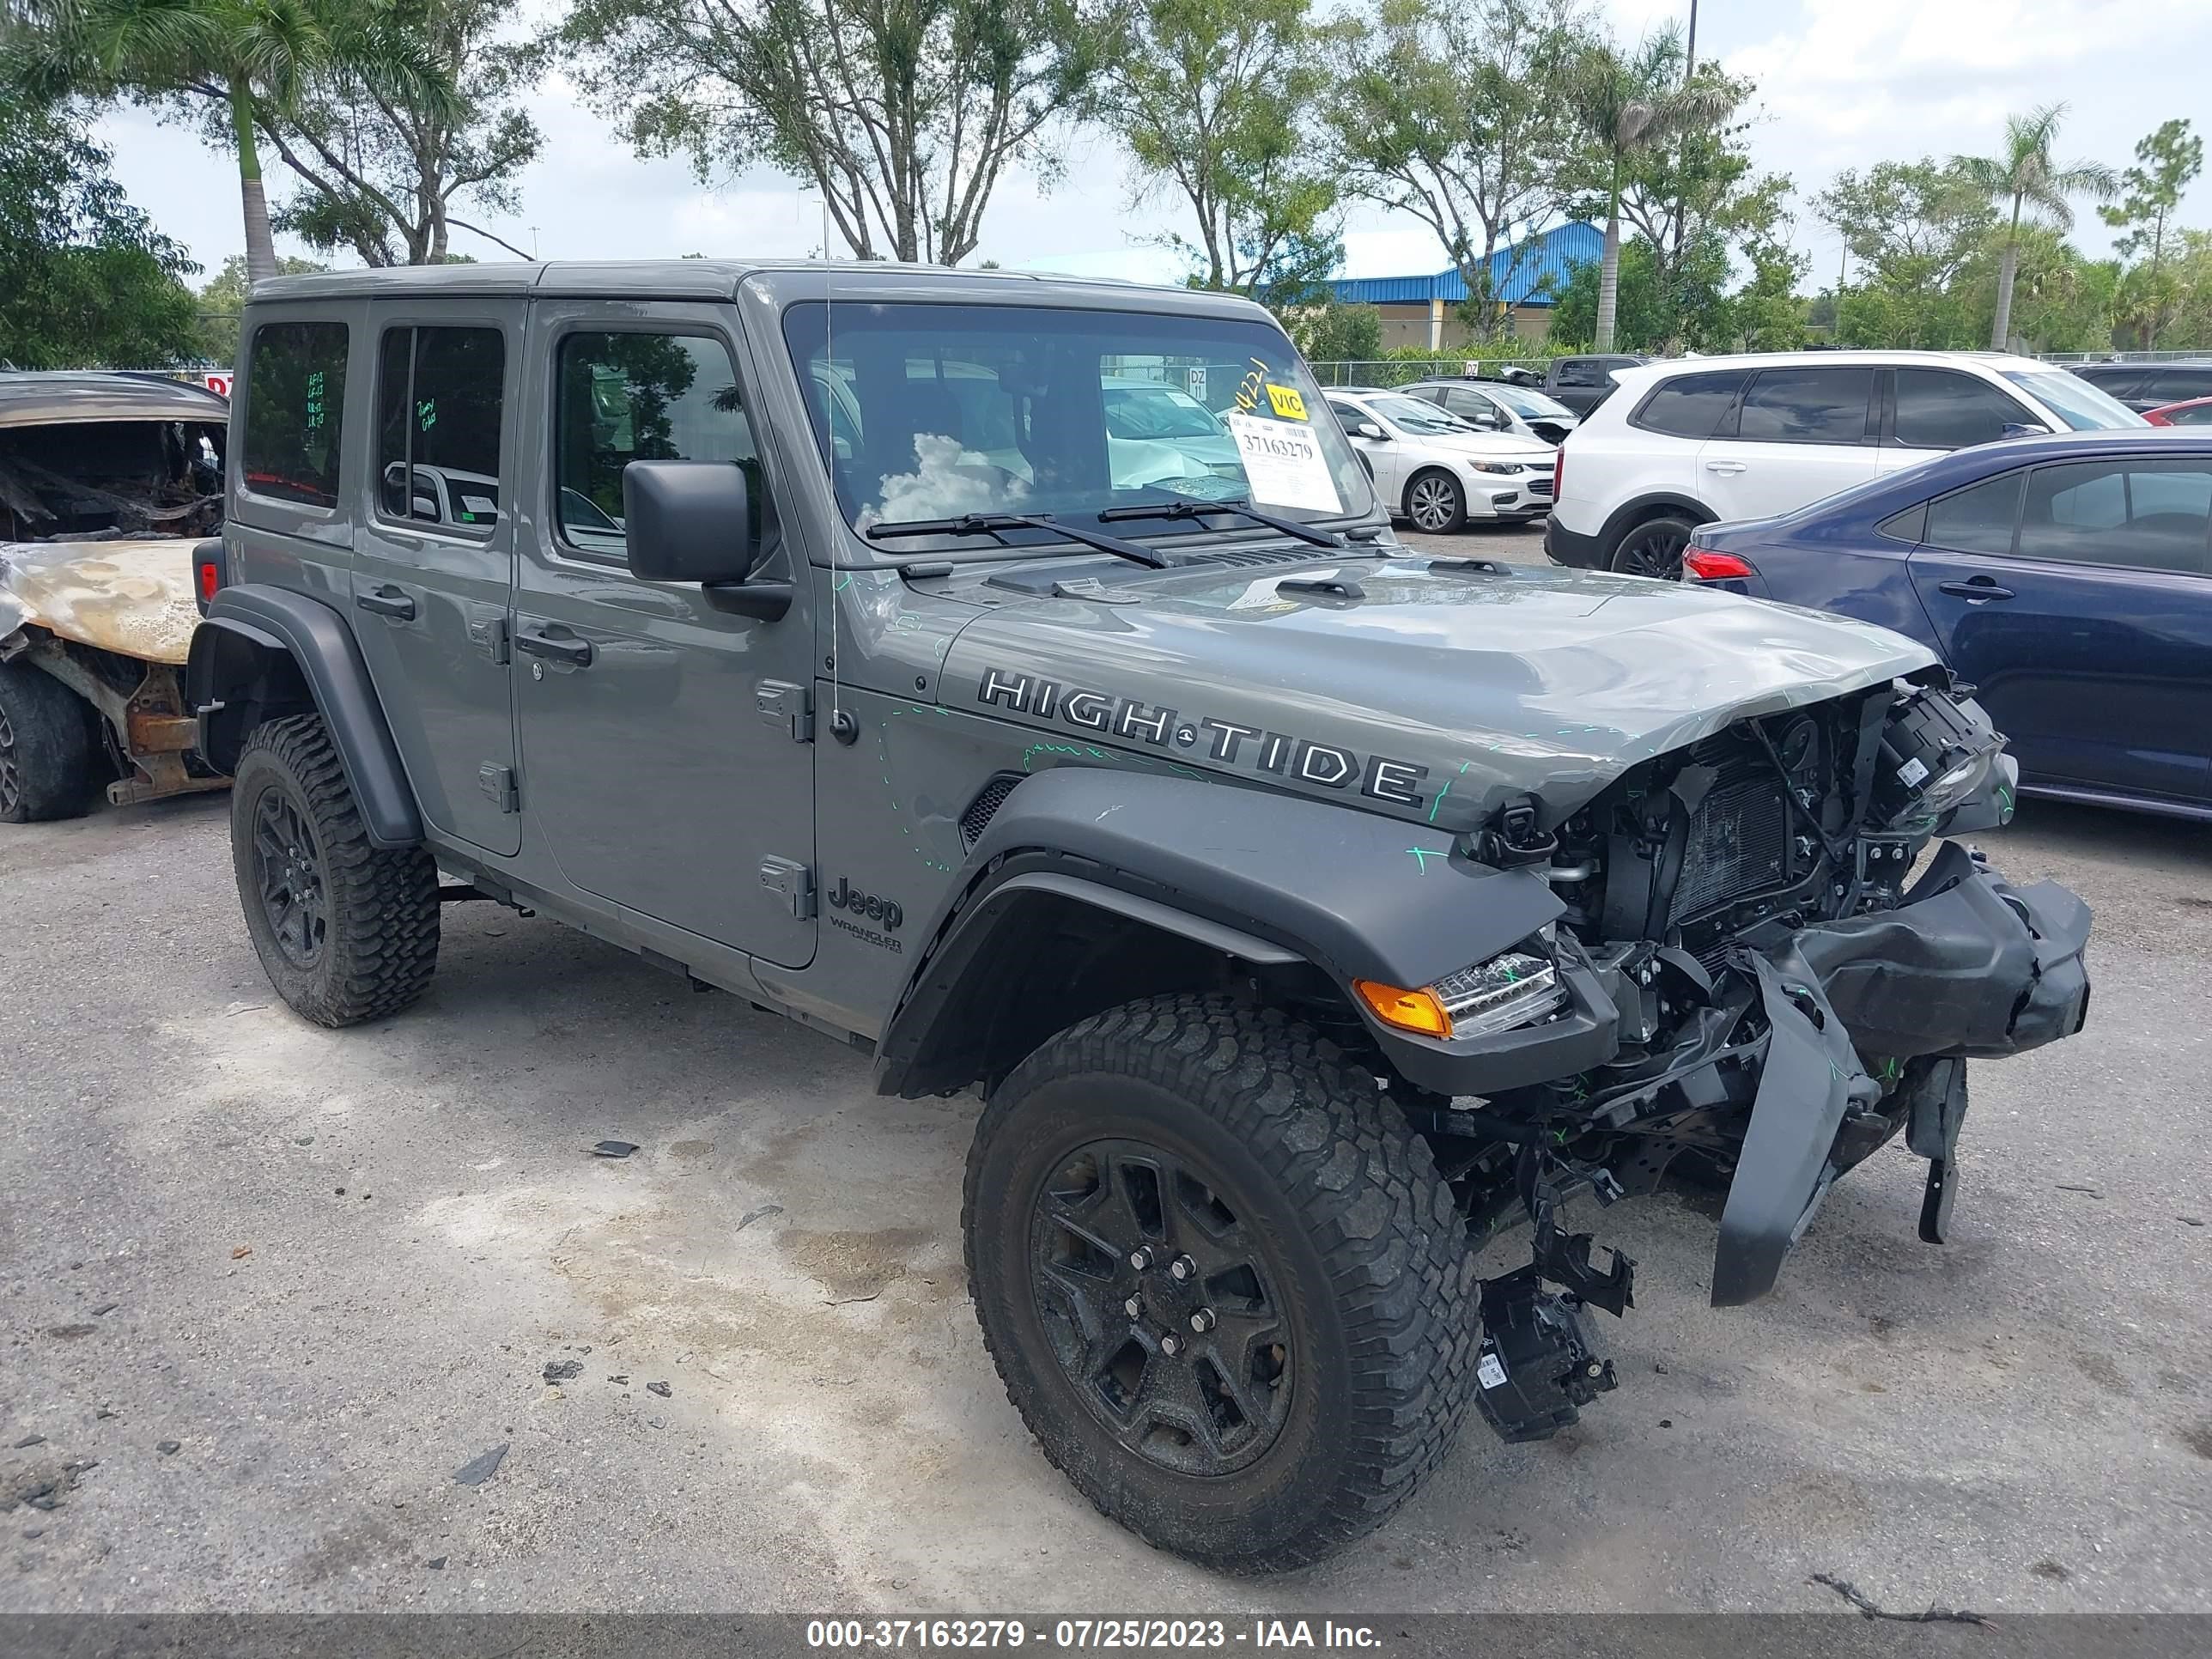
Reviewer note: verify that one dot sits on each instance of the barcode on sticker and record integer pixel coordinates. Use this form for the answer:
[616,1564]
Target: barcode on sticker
[1912,771]
[1490,1371]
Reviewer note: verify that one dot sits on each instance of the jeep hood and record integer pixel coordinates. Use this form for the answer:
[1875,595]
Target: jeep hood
[1432,691]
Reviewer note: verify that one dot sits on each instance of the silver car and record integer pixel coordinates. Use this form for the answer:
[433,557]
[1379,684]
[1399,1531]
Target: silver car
[1496,406]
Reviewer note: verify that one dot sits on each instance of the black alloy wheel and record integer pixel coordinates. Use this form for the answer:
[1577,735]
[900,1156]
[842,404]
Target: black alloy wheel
[1654,549]
[288,872]
[1160,1306]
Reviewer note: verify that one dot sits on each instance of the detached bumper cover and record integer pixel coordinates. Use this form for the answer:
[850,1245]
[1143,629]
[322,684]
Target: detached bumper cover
[1967,966]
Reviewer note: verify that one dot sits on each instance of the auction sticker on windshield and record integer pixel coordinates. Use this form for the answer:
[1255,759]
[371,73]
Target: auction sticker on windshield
[1285,463]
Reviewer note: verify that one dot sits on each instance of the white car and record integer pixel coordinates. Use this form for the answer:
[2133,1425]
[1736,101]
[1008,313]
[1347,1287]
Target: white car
[1435,469]
[1680,444]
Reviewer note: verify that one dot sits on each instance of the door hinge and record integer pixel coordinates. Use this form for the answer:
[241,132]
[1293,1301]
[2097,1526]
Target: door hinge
[794,881]
[782,703]
[488,635]
[497,782]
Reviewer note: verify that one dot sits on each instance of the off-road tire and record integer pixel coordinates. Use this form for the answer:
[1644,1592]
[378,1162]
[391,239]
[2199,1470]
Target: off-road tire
[1653,547]
[378,945]
[1451,494]
[47,748]
[1380,1287]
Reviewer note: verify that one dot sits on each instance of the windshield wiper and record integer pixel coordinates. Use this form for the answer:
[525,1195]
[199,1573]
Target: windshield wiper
[1193,509]
[994,524]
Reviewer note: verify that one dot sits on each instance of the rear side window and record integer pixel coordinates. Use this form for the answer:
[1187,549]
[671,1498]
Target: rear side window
[1807,406]
[1978,519]
[295,406]
[1938,408]
[2123,381]
[639,396]
[439,398]
[1689,405]
[2146,514]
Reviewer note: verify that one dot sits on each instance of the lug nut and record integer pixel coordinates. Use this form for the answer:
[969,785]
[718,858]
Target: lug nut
[1132,1307]
[1141,1257]
[1170,1346]
[1202,1321]
[1183,1267]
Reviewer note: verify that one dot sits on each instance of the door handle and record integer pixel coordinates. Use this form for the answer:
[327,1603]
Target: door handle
[387,601]
[1724,466]
[1976,590]
[565,648]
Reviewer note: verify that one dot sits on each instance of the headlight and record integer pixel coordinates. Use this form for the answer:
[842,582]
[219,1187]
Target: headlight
[1495,469]
[1937,750]
[1509,990]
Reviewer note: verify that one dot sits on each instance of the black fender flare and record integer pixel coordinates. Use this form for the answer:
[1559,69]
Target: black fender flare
[1631,513]
[1258,877]
[237,669]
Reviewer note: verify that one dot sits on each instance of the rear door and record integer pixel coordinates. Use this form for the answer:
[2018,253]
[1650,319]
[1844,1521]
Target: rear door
[1800,433]
[433,560]
[2078,597]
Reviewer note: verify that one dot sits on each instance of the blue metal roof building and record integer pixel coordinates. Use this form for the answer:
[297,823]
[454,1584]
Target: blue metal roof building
[1518,278]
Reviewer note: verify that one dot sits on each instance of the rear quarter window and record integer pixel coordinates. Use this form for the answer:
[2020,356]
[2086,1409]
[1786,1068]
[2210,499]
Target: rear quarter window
[1689,405]
[295,411]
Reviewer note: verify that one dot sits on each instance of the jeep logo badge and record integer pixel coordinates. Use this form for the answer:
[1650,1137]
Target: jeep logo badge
[852,900]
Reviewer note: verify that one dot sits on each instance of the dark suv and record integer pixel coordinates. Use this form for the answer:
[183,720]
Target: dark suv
[1307,910]
[2150,385]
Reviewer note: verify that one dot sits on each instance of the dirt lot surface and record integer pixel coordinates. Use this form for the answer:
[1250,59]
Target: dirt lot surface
[280,1285]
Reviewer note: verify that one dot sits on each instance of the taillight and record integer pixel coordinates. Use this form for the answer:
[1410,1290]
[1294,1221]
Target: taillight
[1703,564]
[1560,469]
[211,579]
[210,571]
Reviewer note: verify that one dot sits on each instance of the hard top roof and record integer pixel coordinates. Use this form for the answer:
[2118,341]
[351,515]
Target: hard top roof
[44,399]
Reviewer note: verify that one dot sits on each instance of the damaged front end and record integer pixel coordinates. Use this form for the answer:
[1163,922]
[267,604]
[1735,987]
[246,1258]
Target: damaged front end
[1769,964]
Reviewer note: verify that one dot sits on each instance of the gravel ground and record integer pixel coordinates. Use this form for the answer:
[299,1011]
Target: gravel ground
[279,1285]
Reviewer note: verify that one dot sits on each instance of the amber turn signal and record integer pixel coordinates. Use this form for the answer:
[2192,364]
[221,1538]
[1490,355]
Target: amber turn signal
[1409,1011]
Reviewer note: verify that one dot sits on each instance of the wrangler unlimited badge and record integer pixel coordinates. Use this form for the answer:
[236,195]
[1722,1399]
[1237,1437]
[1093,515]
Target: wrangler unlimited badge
[1251,747]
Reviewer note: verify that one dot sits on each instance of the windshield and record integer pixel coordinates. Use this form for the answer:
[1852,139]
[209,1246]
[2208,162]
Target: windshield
[933,411]
[1417,417]
[1533,405]
[2074,400]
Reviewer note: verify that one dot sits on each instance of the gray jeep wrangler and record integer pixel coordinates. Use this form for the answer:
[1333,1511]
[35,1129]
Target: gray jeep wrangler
[1017,680]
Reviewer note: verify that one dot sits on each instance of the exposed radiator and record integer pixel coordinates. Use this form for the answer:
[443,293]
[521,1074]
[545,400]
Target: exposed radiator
[1738,842]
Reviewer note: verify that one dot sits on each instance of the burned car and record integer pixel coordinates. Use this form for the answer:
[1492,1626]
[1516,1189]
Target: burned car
[107,483]
[1307,910]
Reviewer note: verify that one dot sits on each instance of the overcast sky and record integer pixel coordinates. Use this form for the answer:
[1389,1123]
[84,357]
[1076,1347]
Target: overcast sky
[1842,83]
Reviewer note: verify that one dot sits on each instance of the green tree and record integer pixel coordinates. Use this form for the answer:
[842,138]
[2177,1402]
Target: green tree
[1629,104]
[1335,333]
[1641,315]
[251,60]
[2165,162]
[85,279]
[222,302]
[1913,227]
[1766,313]
[1208,96]
[904,114]
[2025,176]
[1447,110]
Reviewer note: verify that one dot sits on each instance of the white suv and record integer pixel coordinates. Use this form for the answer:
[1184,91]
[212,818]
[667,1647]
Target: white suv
[1681,444]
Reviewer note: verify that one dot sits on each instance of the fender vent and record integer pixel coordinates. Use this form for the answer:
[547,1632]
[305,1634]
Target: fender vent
[977,817]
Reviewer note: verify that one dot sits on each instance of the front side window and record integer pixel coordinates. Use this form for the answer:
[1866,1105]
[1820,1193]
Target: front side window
[640,396]
[1807,406]
[1938,409]
[2145,514]
[1978,519]
[294,408]
[440,395]
[1690,406]
[926,412]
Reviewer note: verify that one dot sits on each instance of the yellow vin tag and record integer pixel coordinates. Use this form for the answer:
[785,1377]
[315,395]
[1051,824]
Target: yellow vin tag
[1286,402]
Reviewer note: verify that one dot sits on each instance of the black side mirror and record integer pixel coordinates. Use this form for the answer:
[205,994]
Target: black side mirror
[691,521]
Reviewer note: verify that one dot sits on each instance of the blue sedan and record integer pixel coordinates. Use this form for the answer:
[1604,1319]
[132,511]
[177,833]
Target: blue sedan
[2069,578]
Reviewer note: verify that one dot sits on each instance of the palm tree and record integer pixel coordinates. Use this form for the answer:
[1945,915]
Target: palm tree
[248,59]
[2036,186]
[1629,104]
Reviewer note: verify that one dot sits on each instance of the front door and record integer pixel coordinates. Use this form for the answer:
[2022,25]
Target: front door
[2078,598]
[660,761]
[1801,434]
[433,563]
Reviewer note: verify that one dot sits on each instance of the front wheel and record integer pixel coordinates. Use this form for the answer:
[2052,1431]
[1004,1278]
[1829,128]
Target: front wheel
[1221,1279]
[346,931]
[1654,549]
[1436,503]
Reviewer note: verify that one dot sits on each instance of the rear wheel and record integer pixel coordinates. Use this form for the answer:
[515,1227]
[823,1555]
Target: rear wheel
[1654,549]
[46,748]
[346,931]
[1221,1279]
[1435,502]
